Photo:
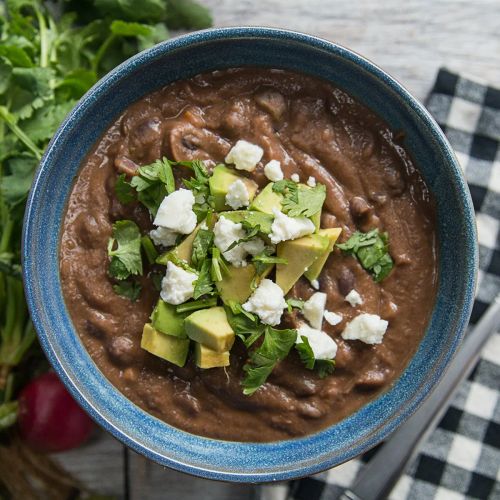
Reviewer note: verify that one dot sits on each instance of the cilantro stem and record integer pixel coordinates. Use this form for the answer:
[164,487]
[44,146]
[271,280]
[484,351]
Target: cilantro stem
[196,304]
[101,51]
[7,117]
[44,41]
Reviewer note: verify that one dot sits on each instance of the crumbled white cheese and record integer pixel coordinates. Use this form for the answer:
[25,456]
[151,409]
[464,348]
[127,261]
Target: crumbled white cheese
[178,284]
[315,284]
[322,345]
[267,302]
[163,236]
[354,298]
[286,228]
[245,155]
[369,328]
[176,212]
[295,177]
[273,172]
[227,232]
[311,182]
[314,308]
[332,318]
[237,195]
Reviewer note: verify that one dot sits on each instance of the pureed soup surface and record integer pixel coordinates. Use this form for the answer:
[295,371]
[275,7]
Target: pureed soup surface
[313,129]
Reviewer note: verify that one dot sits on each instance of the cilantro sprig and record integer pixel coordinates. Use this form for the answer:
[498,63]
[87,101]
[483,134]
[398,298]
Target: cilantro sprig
[200,188]
[124,249]
[372,251]
[324,367]
[299,200]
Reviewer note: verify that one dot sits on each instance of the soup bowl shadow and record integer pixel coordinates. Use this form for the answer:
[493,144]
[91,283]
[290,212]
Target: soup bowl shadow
[184,57]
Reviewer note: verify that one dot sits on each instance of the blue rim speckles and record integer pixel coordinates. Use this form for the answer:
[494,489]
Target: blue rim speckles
[183,57]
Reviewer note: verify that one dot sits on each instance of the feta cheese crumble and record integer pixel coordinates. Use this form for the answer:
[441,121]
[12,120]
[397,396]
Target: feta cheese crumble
[322,345]
[314,309]
[286,228]
[311,182]
[176,212]
[315,284]
[354,298]
[163,236]
[267,302]
[245,155]
[178,285]
[227,232]
[273,172]
[332,318]
[295,177]
[237,195]
[369,328]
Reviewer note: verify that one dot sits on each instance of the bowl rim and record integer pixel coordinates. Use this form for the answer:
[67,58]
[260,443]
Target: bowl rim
[269,34]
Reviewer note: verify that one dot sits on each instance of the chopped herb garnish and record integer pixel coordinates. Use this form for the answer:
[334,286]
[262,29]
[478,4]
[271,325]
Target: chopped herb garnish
[124,248]
[195,305]
[372,251]
[204,285]
[274,348]
[200,188]
[252,232]
[324,367]
[245,325]
[124,192]
[149,249]
[201,245]
[219,265]
[129,289]
[299,200]
[294,304]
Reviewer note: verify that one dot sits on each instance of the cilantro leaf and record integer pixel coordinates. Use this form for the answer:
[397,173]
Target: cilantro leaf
[324,367]
[204,284]
[252,232]
[187,14]
[219,265]
[195,305]
[299,200]
[201,245]
[124,28]
[294,303]
[129,289]
[149,10]
[255,376]
[149,249]
[245,325]
[125,247]
[200,188]
[123,190]
[372,251]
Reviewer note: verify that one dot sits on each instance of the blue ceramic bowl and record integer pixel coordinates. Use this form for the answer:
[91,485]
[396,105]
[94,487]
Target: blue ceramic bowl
[182,58]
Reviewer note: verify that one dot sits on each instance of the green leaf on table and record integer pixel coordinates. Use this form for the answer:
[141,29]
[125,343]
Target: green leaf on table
[124,248]
[129,289]
[16,183]
[16,55]
[129,10]
[187,14]
[5,74]
[123,28]
[158,33]
[76,82]
[372,251]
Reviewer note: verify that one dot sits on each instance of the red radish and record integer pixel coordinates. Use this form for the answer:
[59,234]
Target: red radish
[49,418]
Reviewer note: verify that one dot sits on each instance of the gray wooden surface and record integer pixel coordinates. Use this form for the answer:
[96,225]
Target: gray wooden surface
[410,39]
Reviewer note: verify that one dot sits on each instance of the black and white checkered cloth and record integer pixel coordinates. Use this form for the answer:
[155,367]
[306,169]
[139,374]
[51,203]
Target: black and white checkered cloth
[461,459]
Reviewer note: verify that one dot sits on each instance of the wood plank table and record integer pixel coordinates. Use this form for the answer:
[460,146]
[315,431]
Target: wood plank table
[410,40]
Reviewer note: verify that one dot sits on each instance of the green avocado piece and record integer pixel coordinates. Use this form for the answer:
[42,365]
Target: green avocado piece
[317,266]
[167,320]
[169,348]
[300,254]
[253,217]
[266,200]
[210,328]
[205,357]
[236,283]
[316,220]
[222,177]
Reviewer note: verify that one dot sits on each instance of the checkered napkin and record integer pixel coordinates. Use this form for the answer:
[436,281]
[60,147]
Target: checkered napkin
[461,459]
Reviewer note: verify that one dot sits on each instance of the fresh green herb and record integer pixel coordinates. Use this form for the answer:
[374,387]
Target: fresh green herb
[274,348]
[251,233]
[124,248]
[200,188]
[195,305]
[202,243]
[294,303]
[129,289]
[219,265]
[372,251]
[204,285]
[263,259]
[299,200]
[186,14]
[149,249]
[245,325]
[324,367]
[8,414]
[153,182]
[123,190]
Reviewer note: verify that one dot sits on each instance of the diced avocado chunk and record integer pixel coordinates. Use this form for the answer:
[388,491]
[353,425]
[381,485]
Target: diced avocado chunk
[165,319]
[222,177]
[167,347]
[205,357]
[235,284]
[211,328]
[182,251]
[266,200]
[253,217]
[317,266]
[300,255]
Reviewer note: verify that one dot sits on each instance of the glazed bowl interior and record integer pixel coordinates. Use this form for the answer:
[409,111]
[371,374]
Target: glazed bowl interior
[182,58]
